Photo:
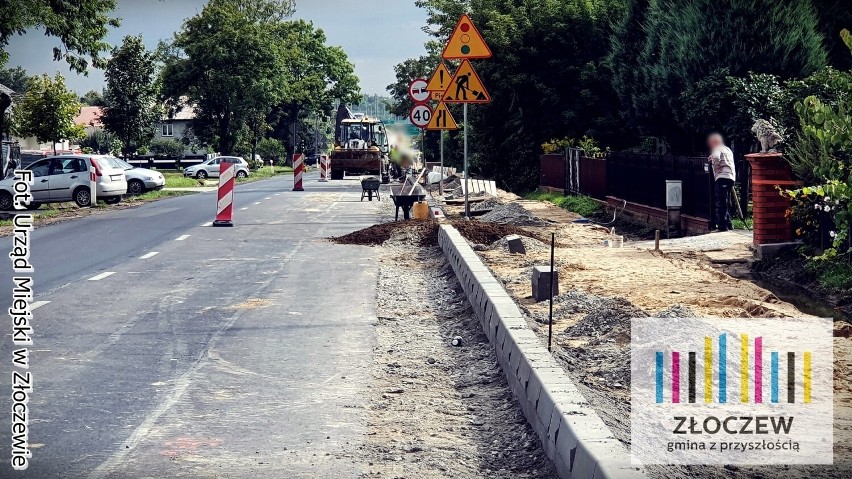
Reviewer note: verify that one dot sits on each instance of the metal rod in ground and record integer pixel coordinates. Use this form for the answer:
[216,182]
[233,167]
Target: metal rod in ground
[657,240]
[441,183]
[739,208]
[466,173]
[552,275]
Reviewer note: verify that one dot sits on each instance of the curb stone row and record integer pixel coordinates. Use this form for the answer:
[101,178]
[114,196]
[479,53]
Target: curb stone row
[574,436]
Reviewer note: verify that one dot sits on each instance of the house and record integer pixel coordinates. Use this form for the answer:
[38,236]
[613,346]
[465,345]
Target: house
[177,126]
[90,118]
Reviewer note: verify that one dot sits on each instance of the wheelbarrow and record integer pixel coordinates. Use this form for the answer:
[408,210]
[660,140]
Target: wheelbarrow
[404,201]
[370,186]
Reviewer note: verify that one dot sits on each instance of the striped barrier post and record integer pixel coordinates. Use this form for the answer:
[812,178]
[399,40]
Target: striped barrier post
[298,171]
[323,168]
[225,205]
[94,172]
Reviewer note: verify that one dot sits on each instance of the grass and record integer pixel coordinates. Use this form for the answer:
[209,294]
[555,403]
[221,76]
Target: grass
[833,274]
[175,179]
[582,205]
[42,214]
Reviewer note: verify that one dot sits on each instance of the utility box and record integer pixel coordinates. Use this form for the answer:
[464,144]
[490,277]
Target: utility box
[674,193]
[541,283]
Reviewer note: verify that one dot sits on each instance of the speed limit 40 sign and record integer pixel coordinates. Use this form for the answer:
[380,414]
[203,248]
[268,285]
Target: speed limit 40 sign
[420,115]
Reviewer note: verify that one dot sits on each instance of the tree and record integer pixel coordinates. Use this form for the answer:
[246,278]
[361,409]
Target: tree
[47,111]
[319,76]
[687,41]
[131,96]
[16,79]
[93,98]
[80,27]
[226,63]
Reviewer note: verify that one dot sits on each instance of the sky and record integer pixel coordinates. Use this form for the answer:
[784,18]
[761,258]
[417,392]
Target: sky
[376,35]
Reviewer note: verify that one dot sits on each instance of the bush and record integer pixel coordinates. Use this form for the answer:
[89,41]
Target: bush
[171,148]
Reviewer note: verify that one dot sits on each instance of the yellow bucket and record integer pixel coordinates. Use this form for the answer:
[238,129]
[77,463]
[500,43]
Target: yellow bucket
[420,211]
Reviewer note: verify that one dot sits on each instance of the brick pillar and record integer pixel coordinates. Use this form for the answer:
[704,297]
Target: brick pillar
[769,171]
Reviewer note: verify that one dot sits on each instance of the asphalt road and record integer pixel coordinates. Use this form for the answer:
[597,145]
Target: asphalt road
[168,348]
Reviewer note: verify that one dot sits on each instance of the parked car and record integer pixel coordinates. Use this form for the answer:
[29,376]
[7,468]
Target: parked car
[66,178]
[140,180]
[210,168]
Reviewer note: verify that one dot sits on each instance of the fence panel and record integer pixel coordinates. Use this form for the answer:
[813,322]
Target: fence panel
[593,177]
[552,170]
[641,178]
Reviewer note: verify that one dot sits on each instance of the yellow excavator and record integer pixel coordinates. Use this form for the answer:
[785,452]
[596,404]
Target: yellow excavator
[360,146]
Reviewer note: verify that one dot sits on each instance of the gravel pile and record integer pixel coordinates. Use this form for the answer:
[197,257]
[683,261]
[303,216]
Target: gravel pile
[603,316]
[486,205]
[513,214]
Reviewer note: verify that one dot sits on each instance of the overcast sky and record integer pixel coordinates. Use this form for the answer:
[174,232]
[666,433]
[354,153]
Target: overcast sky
[376,35]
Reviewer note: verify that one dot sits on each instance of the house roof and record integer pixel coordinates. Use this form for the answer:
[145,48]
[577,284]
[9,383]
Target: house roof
[6,90]
[89,116]
[182,112]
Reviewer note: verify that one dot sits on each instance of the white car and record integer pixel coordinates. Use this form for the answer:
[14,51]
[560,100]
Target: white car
[210,168]
[66,178]
[140,180]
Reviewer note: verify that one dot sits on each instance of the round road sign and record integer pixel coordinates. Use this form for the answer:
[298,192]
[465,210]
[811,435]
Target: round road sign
[418,92]
[420,115]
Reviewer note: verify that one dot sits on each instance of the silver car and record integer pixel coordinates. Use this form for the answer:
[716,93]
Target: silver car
[210,168]
[66,178]
[140,180]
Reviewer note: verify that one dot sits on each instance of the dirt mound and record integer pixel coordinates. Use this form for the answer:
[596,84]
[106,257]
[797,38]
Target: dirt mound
[423,233]
[487,205]
[486,234]
[513,214]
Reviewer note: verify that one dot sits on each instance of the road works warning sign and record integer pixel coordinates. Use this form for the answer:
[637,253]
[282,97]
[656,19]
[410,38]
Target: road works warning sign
[466,87]
[442,119]
[466,42]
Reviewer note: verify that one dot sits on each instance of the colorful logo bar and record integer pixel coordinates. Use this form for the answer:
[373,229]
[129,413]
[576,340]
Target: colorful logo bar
[751,362]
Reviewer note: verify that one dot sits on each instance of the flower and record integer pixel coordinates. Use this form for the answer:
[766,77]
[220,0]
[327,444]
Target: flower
[833,234]
[827,208]
[836,202]
[827,199]
[817,207]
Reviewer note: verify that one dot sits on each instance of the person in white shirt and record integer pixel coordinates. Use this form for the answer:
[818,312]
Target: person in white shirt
[725,173]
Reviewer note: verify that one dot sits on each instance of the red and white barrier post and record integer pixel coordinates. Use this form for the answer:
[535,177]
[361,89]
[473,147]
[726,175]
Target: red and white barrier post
[324,163]
[94,172]
[225,205]
[298,171]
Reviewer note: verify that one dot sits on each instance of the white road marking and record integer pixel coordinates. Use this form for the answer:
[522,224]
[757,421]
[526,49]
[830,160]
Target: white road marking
[257,203]
[150,255]
[277,194]
[209,223]
[243,209]
[182,237]
[101,276]
[37,304]
[268,198]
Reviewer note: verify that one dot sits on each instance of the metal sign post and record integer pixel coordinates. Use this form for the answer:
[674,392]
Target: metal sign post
[466,175]
[441,183]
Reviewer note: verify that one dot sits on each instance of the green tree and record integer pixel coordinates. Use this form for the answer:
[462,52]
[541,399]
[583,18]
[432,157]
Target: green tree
[227,64]
[548,78]
[319,76]
[80,27]
[16,79]
[687,41]
[131,95]
[47,111]
[93,98]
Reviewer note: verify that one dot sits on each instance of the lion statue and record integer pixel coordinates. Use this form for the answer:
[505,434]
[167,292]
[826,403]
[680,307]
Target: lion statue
[768,136]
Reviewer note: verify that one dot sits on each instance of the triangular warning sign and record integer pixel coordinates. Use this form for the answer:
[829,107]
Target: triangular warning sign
[442,119]
[440,79]
[466,42]
[466,87]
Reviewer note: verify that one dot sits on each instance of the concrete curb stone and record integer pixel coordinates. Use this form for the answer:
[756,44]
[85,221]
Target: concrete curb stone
[574,436]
